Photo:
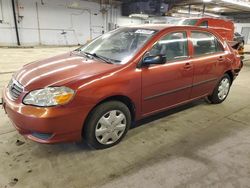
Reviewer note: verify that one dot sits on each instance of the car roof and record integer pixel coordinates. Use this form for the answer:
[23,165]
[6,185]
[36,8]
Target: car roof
[151,26]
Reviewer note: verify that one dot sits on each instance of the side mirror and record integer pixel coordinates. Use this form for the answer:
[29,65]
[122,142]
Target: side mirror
[159,59]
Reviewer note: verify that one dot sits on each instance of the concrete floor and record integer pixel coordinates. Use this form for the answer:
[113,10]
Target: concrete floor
[196,145]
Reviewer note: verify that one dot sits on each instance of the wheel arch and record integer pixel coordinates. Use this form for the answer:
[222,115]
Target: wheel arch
[121,98]
[230,74]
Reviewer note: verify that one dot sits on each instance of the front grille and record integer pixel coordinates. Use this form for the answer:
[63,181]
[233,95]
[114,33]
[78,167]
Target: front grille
[15,89]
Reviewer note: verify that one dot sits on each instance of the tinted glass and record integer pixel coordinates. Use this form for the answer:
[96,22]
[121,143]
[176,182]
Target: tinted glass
[173,46]
[188,22]
[204,24]
[204,43]
[220,47]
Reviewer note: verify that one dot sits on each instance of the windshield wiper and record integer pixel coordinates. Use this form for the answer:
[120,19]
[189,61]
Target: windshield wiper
[106,60]
[78,50]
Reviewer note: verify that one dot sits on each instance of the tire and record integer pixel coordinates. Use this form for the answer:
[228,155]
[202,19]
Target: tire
[107,124]
[221,91]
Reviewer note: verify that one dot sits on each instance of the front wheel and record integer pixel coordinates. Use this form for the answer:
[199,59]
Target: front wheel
[107,125]
[221,91]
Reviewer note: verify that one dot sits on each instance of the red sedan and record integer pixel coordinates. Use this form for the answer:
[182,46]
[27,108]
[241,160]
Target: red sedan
[96,91]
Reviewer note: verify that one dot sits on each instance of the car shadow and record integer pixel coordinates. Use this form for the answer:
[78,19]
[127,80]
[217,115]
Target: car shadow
[166,113]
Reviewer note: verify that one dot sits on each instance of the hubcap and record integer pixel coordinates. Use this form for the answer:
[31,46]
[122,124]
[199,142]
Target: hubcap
[223,88]
[110,127]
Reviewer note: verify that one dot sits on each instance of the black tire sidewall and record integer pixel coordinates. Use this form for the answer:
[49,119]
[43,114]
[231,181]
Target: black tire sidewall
[214,98]
[96,114]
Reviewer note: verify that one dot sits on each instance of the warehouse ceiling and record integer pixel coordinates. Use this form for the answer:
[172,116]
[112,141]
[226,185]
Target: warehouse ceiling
[105,1]
[235,9]
[224,5]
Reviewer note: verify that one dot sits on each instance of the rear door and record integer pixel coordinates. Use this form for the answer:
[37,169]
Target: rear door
[169,84]
[207,56]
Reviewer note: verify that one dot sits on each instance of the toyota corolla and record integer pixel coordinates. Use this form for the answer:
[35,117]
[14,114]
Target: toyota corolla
[96,91]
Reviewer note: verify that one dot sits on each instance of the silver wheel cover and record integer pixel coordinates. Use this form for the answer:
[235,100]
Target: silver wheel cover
[110,127]
[223,88]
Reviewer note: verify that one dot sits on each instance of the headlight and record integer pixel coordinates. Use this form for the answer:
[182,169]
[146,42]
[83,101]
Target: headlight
[50,96]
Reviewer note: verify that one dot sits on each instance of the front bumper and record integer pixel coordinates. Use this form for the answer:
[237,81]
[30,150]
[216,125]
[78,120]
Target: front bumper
[45,125]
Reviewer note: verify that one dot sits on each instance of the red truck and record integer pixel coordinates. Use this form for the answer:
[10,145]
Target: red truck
[223,27]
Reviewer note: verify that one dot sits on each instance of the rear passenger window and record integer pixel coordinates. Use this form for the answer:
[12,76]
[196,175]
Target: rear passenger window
[205,43]
[220,47]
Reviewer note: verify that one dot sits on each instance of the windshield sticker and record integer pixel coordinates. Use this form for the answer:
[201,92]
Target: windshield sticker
[144,31]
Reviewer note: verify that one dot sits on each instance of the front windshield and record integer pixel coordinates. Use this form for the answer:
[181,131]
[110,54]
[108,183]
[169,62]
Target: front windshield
[120,45]
[188,22]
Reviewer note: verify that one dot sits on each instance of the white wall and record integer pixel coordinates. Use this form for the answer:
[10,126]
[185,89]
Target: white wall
[43,24]
[238,26]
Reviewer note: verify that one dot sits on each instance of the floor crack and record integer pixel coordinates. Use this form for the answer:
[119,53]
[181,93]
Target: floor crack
[238,121]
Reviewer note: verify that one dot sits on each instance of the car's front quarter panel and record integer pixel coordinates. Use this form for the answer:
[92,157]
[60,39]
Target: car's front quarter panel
[125,82]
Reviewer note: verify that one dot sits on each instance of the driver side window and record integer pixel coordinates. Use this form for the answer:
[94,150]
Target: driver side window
[174,46]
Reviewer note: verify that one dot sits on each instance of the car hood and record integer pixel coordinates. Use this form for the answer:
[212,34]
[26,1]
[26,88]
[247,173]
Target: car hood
[60,70]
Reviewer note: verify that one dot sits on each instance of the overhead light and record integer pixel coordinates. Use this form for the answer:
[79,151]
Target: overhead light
[239,3]
[74,4]
[217,8]
[187,12]
[211,14]
[143,16]
[207,1]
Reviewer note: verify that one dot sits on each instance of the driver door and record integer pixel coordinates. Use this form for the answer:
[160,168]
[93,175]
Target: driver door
[168,84]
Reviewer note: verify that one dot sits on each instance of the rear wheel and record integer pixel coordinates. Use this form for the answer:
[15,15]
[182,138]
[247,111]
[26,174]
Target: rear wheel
[221,91]
[107,125]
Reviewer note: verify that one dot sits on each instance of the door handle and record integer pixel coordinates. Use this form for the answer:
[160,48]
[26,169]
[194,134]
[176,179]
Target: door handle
[187,66]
